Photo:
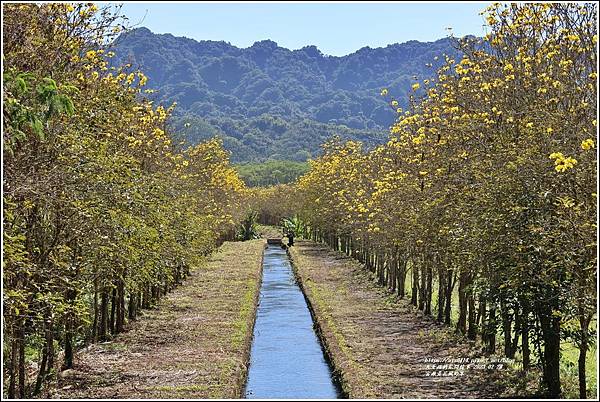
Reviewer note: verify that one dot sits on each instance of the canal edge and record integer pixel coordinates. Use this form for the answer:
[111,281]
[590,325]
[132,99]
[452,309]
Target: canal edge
[243,379]
[337,372]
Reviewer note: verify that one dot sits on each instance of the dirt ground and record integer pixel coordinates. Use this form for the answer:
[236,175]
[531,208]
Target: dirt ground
[194,345]
[380,346]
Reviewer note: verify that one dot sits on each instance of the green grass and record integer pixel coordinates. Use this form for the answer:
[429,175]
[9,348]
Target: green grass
[569,371]
[114,346]
[243,323]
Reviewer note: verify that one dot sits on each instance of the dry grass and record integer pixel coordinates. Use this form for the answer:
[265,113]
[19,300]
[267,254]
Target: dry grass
[379,345]
[194,345]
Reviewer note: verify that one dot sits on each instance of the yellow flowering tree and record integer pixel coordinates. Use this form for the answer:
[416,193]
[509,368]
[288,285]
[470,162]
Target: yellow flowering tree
[103,211]
[485,189]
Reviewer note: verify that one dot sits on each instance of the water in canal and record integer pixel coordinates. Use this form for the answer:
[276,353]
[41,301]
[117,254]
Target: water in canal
[287,360]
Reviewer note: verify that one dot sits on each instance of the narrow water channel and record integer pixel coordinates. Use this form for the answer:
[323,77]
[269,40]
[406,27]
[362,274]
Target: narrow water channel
[287,360]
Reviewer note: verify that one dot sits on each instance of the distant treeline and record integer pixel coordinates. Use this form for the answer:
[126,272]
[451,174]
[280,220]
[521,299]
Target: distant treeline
[271,172]
[266,137]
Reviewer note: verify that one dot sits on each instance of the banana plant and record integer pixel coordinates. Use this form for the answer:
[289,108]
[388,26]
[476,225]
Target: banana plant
[248,229]
[295,225]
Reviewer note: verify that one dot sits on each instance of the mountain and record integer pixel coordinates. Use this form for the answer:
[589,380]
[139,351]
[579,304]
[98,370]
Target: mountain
[269,102]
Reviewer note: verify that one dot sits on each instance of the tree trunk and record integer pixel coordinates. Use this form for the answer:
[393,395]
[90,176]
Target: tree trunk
[47,364]
[584,322]
[393,273]
[14,351]
[103,329]
[491,331]
[113,310]
[21,343]
[506,327]
[480,311]
[94,335]
[132,306]
[518,322]
[120,307]
[451,280]
[441,290]
[429,288]
[415,285]
[551,371]
[472,331]
[381,268]
[42,371]
[68,362]
[525,339]
[402,278]
[422,287]
[146,302]
[50,342]
[461,325]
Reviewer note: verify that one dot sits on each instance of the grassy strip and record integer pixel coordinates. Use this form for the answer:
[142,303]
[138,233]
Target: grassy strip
[195,345]
[244,327]
[379,345]
[345,366]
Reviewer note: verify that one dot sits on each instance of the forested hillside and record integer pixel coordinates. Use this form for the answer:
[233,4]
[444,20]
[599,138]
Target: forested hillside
[268,102]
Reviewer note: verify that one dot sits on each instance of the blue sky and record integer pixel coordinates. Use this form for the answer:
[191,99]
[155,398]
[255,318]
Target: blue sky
[335,28]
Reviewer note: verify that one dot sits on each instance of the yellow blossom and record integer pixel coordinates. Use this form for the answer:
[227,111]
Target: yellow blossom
[562,163]
[587,144]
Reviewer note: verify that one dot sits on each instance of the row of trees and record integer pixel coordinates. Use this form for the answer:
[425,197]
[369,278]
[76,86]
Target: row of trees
[103,211]
[486,188]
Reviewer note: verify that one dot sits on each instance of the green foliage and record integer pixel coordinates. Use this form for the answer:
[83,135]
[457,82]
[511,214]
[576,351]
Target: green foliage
[265,137]
[294,225]
[271,172]
[248,229]
[30,103]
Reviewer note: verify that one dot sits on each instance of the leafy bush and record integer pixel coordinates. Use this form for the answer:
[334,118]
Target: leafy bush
[248,228]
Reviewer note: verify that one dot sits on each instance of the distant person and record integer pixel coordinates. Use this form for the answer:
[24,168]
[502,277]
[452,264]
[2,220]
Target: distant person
[290,237]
